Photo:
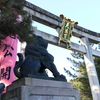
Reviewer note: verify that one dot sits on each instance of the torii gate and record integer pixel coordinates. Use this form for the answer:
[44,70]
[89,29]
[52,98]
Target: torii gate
[44,17]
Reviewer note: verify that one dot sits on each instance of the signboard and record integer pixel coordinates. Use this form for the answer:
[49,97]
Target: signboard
[66,30]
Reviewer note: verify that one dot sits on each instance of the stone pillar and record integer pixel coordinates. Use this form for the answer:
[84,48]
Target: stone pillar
[40,89]
[91,70]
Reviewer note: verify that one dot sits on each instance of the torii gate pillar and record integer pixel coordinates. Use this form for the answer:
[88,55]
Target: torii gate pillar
[91,71]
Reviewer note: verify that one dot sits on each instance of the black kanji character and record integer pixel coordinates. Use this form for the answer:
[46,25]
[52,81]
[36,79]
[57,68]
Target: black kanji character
[5,73]
[8,69]
[2,71]
[7,52]
[13,37]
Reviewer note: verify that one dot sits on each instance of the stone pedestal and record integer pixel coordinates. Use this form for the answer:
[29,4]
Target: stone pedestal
[40,89]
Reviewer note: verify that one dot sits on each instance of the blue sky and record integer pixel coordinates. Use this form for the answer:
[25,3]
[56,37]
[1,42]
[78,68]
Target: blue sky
[86,12]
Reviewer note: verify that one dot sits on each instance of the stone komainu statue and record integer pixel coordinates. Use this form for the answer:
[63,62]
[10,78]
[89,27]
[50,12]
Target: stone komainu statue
[37,59]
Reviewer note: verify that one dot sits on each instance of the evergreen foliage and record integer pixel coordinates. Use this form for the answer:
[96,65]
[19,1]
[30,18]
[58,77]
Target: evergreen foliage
[15,21]
[80,80]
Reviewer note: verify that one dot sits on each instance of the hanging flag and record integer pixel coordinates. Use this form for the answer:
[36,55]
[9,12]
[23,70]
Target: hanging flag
[66,30]
[8,52]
